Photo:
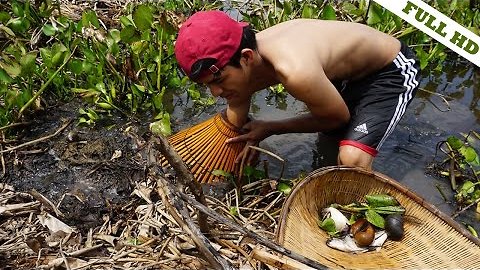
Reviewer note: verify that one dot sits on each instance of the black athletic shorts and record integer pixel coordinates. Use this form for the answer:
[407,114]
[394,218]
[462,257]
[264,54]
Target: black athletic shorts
[378,102]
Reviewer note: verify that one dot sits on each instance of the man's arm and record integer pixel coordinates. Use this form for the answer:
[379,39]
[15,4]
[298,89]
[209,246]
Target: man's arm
[328,110]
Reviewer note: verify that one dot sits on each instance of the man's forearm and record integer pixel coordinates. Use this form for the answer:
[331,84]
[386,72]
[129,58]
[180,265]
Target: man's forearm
[305,123]
[238,114]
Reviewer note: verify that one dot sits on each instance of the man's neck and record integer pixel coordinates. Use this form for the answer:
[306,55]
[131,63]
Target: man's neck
[263,74]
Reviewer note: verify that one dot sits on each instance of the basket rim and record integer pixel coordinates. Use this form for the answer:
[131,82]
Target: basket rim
[279,235]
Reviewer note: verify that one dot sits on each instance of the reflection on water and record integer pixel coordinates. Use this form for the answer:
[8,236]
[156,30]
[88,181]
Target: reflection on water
[409,149]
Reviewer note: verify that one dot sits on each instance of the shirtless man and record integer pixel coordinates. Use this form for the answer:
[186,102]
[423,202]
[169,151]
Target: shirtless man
[355,80]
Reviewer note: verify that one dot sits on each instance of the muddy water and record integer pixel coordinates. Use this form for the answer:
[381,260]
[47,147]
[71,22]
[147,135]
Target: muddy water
[408,151]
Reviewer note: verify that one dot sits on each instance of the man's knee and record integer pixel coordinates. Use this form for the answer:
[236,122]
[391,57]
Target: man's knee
[355,157]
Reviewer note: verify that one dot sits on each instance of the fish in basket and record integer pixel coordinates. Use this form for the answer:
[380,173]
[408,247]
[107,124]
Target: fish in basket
[433,241]
[204,151]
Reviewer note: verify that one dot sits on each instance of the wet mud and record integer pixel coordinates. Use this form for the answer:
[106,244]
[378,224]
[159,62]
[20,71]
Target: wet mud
[86,171]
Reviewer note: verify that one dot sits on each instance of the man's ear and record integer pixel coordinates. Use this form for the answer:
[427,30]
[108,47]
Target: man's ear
[247,56]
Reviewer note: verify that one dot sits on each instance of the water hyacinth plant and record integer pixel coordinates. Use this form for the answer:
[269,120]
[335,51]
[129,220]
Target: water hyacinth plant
[461,166]
[127,65]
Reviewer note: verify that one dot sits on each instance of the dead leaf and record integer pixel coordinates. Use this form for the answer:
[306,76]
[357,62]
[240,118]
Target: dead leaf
[36,243]
[116,154]
[54,224]
[107,238]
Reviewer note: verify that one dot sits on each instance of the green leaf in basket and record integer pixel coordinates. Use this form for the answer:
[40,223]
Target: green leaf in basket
[388,210]
[380,200]
[328,225]
[375,218]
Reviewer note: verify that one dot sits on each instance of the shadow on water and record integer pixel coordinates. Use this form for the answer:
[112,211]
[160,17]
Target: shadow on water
[408,151]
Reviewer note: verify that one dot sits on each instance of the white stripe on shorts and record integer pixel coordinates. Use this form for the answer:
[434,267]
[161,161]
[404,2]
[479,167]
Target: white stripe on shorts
[410,82]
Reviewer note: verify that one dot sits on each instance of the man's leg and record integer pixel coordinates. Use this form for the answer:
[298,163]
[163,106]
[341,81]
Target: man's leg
[355,157]
[376,104]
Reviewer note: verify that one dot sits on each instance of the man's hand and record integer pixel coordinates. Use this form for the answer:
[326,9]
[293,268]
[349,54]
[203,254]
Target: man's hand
[256,131]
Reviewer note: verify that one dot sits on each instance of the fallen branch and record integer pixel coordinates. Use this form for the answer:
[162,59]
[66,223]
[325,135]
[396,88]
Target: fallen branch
[83,251]
[176,208]
[46,202]
[2,160]
[465,208]
[278,262]
[39,139]
[185,177]
[12,208]
[14,125]
[253,235]
[230,244]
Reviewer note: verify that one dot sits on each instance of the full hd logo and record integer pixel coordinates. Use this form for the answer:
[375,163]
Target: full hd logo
[438,26]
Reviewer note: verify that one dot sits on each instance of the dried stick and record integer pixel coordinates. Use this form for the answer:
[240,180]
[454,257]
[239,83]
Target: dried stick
[65,261]
[185,177]
[125,253]
[83,251]
[251,234]
[46,202]
[14,125]
[279,262]
[2,160]
[465,208]
[230,244]
[272,155]
[203,244]
[39,139]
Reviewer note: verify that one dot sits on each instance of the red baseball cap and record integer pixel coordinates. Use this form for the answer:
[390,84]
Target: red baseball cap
[208,34]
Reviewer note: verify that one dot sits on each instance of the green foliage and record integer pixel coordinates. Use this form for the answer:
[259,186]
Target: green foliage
[375,209]
[253,174]
[328,225]
[462,166]
[431,53]
[284,187]
[223,173]
[130,67]
[127,67]
[381,200]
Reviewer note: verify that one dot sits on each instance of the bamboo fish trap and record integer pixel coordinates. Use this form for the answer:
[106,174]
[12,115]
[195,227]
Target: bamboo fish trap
[436,242]
[203,148]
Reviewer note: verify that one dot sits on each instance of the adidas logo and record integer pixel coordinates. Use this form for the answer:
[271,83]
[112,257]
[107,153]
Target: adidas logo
[361,128]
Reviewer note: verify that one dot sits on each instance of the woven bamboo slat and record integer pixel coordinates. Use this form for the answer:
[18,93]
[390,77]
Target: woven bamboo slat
[436,242]
[203,148]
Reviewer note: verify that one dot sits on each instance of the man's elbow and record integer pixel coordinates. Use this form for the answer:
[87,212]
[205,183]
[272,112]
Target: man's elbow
[342,120]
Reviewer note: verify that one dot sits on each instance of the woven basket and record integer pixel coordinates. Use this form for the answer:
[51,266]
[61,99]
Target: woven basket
[437,242]
[203,148]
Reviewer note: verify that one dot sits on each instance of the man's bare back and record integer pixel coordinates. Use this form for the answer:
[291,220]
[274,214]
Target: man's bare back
[345,50]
